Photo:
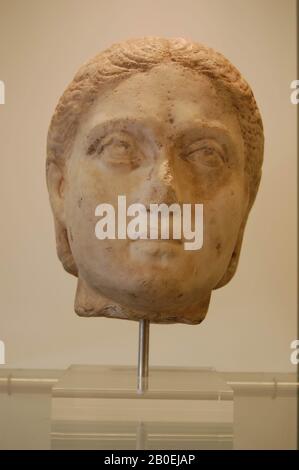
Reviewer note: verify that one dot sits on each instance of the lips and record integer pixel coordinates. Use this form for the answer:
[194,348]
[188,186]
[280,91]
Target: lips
[155,233]
[160,250]
[145,238]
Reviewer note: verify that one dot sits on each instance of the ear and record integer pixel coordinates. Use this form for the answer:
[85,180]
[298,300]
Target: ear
[56,188]
[56,183]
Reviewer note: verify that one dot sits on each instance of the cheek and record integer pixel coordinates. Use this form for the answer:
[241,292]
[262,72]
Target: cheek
[97,185]
[89,186]
[200,183]
[223,217]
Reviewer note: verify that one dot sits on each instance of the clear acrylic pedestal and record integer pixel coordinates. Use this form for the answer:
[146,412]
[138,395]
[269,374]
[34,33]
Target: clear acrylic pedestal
[99,407]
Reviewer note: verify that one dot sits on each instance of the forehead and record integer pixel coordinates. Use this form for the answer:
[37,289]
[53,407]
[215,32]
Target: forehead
[168,93]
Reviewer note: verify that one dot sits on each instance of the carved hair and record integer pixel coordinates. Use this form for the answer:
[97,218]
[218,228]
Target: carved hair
[139,55]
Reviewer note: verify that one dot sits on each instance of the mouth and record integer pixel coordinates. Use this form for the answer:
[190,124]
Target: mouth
[160,249]
[159,240]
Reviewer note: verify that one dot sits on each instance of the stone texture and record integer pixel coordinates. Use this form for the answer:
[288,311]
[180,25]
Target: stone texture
[160,121]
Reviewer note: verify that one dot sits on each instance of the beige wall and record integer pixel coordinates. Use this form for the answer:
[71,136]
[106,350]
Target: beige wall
[252,321]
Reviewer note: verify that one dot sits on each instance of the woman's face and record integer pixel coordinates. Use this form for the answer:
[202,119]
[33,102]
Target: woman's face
[167,135]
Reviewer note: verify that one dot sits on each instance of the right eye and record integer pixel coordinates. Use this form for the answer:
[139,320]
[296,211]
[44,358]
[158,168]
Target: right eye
[119,144]
[93,147]
[116,150]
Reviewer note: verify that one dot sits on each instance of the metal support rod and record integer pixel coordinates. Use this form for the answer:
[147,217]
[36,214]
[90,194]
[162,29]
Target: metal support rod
[143,356]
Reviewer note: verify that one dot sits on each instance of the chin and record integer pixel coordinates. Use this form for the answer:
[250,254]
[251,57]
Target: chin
[158,300]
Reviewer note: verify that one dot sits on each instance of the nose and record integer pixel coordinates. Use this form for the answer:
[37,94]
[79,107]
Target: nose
[160,185]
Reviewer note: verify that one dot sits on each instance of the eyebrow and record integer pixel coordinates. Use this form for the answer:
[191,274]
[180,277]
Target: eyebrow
[211,124]
[200,124]
[113,123]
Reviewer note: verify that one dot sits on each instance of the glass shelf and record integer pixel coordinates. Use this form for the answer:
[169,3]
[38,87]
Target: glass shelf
[100,407]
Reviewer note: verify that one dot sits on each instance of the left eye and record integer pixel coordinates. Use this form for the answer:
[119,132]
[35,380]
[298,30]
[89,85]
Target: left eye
[205,153]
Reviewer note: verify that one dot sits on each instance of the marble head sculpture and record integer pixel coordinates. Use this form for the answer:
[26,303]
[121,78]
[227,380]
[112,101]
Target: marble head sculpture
[158,121]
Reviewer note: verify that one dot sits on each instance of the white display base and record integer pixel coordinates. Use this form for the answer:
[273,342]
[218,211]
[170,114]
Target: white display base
[98,407]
